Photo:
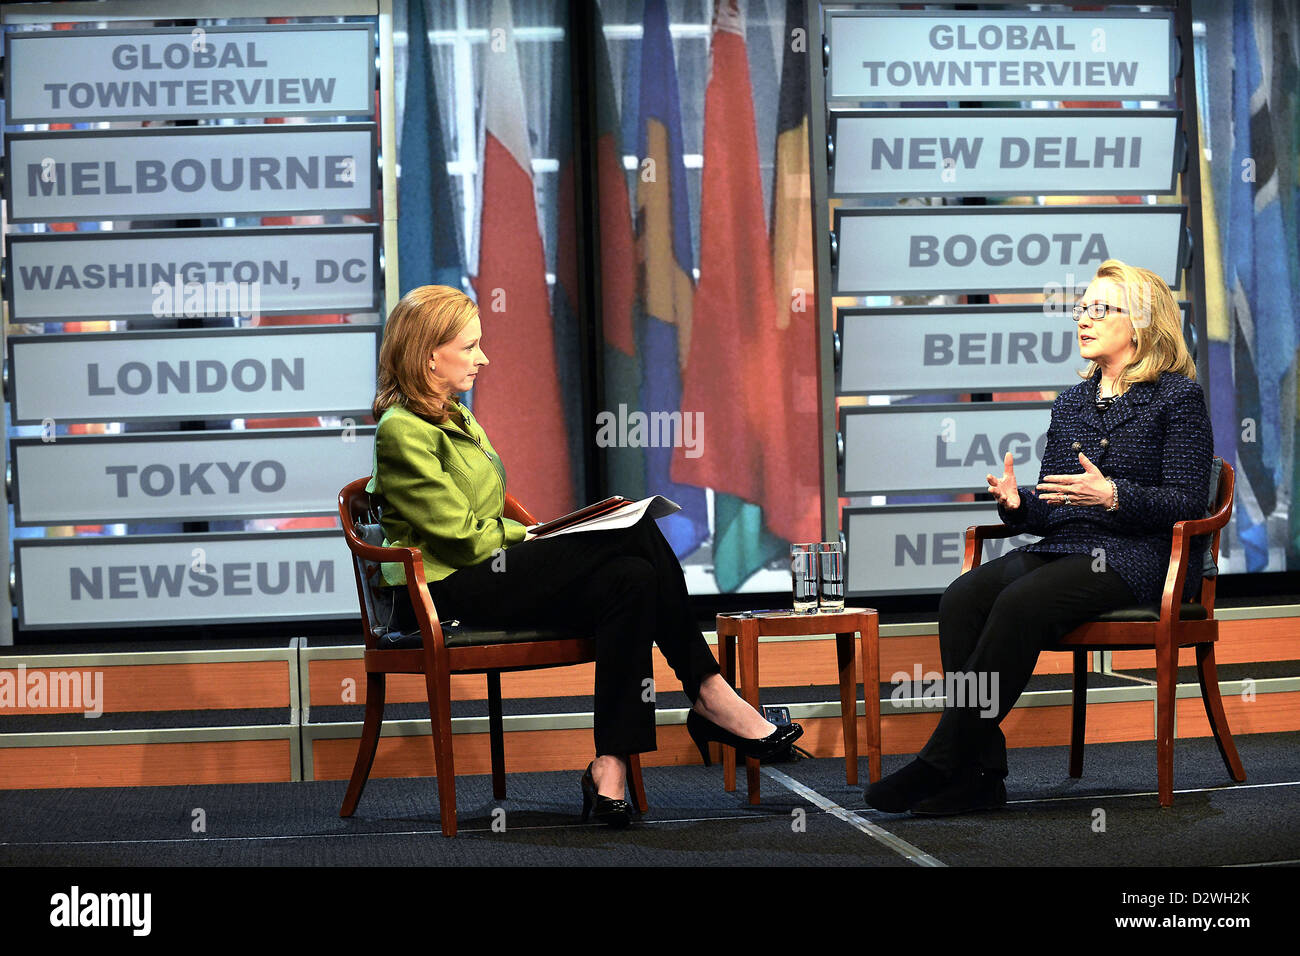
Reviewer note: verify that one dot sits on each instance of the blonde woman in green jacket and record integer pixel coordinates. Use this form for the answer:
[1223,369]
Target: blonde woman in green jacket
[443,487]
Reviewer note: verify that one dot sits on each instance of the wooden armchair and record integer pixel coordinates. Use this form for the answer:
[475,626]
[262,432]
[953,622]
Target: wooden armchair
[1164,628]
[437,651]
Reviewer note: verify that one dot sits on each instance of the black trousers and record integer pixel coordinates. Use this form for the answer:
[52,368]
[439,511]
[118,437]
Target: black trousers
[993,621]
[624,587]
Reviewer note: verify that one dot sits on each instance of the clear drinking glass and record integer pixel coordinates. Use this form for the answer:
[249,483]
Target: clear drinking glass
[803,575]
[830,572]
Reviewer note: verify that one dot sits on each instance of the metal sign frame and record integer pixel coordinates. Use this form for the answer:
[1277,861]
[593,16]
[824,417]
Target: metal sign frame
[276,110]
[10,280]
[183,132]
[374,330]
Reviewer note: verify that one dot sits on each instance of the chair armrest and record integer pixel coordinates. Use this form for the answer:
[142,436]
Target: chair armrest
[517,512]
[976,535]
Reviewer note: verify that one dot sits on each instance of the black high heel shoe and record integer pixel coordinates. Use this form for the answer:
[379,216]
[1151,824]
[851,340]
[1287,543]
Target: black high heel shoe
[611,812]
[703,730]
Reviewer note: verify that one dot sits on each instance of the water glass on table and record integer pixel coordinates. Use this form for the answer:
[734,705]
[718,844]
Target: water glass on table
[830,573]
[803,576]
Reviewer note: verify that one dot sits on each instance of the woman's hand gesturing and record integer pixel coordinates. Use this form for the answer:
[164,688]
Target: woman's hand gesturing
[1004,488]
[1089,488]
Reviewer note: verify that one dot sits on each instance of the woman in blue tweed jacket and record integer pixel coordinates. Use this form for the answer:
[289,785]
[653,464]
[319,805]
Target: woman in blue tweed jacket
[1128,455]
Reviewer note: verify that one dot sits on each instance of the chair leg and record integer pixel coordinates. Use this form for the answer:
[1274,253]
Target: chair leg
[638,784]
[369,743]
[1079,712]
[438,682]
[496,735]
[1166,699]
[1214,711]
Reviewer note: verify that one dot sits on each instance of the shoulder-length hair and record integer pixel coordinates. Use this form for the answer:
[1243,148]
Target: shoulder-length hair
[1157,324]
[427,318]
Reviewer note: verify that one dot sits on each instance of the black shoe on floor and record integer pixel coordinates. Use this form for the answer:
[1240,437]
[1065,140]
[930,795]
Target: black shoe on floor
[970,790]
[899,791]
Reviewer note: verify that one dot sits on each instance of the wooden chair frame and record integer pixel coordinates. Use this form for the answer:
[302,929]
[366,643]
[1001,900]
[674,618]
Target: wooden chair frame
[1178,626]
[437,662]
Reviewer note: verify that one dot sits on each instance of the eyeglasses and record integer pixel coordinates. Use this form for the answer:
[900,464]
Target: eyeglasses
[1095,310]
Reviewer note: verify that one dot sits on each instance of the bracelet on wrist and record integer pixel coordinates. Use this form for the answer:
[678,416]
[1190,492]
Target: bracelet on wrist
[1114,496]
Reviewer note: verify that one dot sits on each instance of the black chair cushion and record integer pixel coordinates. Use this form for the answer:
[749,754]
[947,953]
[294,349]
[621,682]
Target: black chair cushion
[1146,613]
[460,635]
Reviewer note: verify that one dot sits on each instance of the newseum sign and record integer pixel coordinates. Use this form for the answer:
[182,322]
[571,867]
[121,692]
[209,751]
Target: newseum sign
[183,579]
[325,69]
[914,549]
[187,172]
[970,249]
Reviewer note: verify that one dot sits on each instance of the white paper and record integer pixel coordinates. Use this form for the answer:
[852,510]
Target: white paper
[656,505]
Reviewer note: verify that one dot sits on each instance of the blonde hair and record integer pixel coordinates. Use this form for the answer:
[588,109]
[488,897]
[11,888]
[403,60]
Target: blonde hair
[427,318]
[1156,322]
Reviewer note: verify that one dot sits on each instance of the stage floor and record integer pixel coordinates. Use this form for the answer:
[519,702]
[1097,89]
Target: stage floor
[808,817]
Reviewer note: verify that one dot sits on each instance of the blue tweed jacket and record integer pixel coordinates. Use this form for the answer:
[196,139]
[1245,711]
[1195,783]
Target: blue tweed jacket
[1155,442]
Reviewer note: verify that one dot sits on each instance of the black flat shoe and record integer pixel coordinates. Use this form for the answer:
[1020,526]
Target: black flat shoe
[899,791]
[971,790]
[607,810]
[703,730]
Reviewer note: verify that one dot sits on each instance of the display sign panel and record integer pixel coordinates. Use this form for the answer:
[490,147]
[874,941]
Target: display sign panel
[914,549]
[1003,152]
[999,55]
[972,348]
[168,274]
[188,172]
[977,348]
[193,374]
[183,579]
[971,249]
[69,76]
[920,449]
[186,476]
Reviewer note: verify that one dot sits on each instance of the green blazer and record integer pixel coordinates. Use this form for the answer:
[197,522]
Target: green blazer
[444,491]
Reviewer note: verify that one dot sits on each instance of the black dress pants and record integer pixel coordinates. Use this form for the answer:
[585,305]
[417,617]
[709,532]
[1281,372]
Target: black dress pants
[623,587]
[993,621]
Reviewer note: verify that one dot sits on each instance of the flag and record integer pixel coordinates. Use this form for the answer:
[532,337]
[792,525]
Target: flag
[792,466]
[734,375]
[666,260]
[626,464]
[518,396]
[427,237]
[1258,282]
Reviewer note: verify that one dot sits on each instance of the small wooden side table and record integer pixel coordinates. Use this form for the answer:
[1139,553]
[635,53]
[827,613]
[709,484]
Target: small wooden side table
[749,626]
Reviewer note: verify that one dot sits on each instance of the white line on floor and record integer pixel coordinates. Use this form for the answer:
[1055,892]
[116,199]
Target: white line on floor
[897,844]
[1225,788]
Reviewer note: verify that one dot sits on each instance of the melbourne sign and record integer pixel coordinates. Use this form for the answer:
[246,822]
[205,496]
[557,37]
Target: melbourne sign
[918,449]
[184,476]
[914,549]
[999,55]
[970,249]
[183,579]
[193,374]
[192,273]
[69,76]
[189,172]
[1003,152]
